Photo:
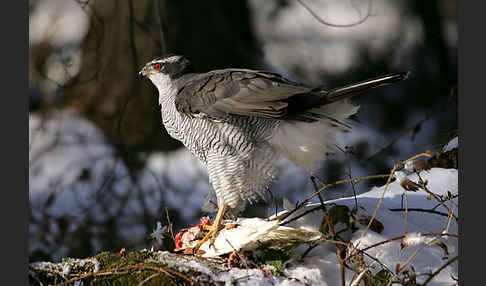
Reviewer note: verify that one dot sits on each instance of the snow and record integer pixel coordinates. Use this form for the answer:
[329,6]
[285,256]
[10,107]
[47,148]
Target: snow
[408,166]
[64,25]
[440,181]
[64,268]
[74,173]
[400,176]
[158,232]
[321,267]
[454,143]
[61,22]
[71,169]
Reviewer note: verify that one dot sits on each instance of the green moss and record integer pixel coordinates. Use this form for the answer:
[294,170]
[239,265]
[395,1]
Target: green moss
[381,278]
[275,257]
[109,260]
[133,278]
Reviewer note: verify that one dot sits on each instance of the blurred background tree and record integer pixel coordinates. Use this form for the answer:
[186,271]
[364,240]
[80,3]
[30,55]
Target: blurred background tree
[84,56]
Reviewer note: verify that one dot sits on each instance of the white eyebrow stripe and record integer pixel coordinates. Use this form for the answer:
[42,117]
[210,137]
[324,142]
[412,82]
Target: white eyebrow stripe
[168,60]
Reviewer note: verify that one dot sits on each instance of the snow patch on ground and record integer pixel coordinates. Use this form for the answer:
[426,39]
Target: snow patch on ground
[453,144]
[321,267]
[440,181]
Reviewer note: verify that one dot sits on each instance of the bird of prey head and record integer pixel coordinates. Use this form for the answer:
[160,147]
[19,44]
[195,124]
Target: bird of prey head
[167,68]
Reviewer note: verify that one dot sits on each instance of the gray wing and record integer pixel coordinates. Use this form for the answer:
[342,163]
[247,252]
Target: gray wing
[237,92]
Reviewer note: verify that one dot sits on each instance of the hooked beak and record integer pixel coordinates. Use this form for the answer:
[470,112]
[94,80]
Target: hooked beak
[143,72]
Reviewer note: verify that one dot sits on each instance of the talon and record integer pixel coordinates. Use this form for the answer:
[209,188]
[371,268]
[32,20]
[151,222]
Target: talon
[230,226]
[213,230]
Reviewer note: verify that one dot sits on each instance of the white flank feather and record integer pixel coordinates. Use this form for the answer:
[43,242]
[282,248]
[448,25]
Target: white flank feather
[306,143]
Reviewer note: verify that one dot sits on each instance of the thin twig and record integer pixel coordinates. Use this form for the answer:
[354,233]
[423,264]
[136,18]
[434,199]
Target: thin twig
[134,57]
[170,224]
[403,236]
[421,182]
[403,266]
[91,274]
[405,230]
[344,181]
[412,256]
[325,214]
[426,154]
[158,17]
[325,186]
[398,137]
[390,176]
[148,278]
[307,251]
[299,216]
[420,210]
[450,261]
[379,203]
[346,153]
[128,270]
[358,279]
[324,22]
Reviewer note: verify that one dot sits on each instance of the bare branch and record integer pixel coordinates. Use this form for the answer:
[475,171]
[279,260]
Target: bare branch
[324,22]
[420,210]
[449,262]
[158,18]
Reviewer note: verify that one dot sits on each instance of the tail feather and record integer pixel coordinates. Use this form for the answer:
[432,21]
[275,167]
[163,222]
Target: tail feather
[308,138]
[340,93]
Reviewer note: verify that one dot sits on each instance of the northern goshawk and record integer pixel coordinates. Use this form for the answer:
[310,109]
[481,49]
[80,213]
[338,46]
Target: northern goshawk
[238,122]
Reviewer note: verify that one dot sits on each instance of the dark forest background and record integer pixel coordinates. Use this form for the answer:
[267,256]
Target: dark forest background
[88,72]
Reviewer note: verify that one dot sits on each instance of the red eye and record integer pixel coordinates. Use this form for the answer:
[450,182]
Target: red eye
[157,66]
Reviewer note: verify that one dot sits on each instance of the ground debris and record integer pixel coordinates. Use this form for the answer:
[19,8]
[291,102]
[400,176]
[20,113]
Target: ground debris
[131,268]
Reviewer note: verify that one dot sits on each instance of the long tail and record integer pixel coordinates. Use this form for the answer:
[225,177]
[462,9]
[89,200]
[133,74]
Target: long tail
[340,93]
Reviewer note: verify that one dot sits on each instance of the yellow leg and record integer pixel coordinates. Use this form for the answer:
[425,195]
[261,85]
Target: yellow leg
[213,229]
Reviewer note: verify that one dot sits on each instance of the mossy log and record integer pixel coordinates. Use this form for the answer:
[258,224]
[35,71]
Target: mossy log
[131,268]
